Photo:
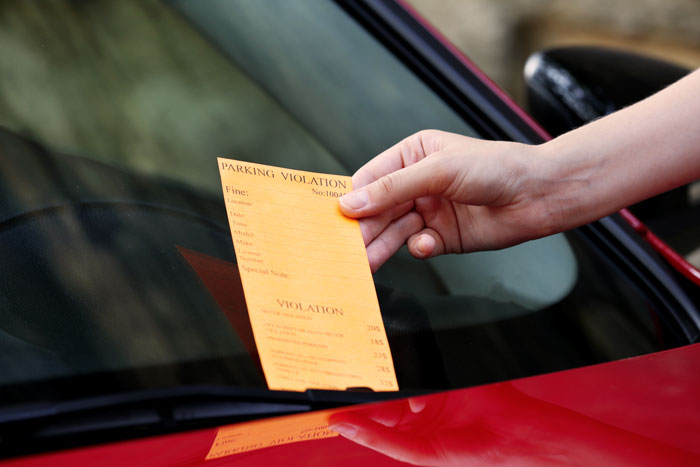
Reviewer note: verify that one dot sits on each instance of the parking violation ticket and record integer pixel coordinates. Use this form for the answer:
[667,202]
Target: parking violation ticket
[307,283]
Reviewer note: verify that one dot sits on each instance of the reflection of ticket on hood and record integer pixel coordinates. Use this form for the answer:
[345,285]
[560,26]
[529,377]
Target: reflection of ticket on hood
[307,283]
[260,434]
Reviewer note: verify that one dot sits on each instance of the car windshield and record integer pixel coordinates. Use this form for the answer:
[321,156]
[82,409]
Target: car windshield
[116,253]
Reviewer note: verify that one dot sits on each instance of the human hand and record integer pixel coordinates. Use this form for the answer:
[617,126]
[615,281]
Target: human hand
[446,193]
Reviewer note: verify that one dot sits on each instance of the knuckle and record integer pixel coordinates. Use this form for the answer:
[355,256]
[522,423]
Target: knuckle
[387,184]
[427,134]
[417,146]
[415,222]
[422,135]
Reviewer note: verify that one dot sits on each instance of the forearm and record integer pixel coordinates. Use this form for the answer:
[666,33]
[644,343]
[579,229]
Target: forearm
[633,154]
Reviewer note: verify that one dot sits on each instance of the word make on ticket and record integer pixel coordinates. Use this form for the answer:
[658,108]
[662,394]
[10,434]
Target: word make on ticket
[307,283]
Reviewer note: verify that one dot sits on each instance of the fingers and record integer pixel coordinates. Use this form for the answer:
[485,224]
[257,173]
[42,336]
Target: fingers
[423,178]
[426,244]
[390,414]
[392,238]
[399,445]
[417,404]
[373,226]
[407,152]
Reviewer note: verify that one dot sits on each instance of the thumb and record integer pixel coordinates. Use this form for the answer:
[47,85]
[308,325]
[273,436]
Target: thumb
[407,184]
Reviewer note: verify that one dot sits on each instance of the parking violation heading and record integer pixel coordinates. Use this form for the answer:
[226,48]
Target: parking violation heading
[306,279]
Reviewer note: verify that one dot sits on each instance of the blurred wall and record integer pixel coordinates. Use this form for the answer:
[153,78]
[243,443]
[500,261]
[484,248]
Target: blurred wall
[499,35]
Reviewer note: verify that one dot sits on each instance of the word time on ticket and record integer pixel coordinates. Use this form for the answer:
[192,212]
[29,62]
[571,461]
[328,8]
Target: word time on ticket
[307,283]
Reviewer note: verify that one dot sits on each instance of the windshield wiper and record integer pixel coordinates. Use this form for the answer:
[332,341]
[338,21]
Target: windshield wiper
[41,426]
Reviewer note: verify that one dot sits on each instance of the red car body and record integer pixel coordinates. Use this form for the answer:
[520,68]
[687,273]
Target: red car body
[638,411]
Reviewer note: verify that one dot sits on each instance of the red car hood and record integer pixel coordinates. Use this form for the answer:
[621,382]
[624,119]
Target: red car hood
[638,411]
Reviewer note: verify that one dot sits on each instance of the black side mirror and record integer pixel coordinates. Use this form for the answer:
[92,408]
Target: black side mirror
[568,87]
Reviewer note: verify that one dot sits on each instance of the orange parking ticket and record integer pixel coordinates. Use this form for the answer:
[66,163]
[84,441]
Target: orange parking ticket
[306,279]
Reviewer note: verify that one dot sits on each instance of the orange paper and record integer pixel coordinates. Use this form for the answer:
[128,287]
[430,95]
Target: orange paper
[307,283]
[249,436]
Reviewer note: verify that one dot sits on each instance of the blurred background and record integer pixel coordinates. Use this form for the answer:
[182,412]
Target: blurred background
[131,82]
[499,35]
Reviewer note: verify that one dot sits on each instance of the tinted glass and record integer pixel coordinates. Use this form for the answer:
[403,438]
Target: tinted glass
[113,233]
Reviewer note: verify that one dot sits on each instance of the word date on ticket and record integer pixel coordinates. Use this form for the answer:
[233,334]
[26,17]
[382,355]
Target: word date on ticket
[306,279]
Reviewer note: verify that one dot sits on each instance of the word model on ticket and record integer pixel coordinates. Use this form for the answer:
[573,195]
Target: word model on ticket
[306,280]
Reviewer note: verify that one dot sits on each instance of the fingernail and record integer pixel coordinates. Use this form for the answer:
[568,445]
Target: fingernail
[348,431]
[355,199]
[416,405]
[425,245]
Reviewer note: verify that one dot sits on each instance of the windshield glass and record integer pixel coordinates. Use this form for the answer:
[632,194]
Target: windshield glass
[116,255]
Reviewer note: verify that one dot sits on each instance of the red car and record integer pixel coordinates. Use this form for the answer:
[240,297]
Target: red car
[124,335]
[608,414]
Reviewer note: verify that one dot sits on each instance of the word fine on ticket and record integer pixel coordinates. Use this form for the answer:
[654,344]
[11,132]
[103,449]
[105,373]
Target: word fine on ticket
[306,279]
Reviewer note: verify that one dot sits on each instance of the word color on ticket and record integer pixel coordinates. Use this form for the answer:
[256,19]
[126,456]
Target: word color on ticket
[311,299]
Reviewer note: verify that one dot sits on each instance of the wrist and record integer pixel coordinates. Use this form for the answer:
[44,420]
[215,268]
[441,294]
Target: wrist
[565,186]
